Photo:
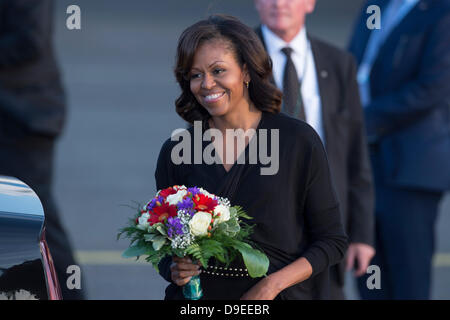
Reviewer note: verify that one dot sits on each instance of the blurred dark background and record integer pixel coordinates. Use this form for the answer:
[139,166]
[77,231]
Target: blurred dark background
[117,71]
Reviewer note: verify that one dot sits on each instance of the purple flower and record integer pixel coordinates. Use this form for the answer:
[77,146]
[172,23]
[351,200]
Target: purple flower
[152,203]
[194,190]
[174,227]
[186,204]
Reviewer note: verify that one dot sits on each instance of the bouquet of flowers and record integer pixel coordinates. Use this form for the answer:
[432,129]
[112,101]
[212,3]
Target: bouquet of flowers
[192,222]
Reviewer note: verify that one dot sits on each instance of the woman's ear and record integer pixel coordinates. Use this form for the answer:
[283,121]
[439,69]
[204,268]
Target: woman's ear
[246,74]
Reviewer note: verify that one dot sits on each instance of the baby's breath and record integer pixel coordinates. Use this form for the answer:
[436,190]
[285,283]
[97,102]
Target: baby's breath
[184,240]
[223,201]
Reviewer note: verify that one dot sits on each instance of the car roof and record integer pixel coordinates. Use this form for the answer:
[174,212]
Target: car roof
[18,198]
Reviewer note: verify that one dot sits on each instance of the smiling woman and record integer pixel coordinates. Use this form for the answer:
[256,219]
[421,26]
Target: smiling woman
[224,71]
[217,81]
[220,65]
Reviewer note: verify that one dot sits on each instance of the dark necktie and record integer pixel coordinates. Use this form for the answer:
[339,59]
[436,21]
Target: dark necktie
[293,102]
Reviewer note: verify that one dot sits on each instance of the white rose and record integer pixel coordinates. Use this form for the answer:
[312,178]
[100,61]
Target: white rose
[224,214]
[143,221]
[199,223]
[173,199]
[206,193]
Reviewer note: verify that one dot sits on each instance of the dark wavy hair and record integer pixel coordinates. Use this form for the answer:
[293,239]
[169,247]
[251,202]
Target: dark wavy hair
[248,51]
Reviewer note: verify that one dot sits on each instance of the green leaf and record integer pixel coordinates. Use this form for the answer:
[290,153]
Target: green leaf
[178,252]
[241,213]
[161,230]
[244,215]
[158,242]
[229,228]
[256,261]
[154,257]
[195,251]
[233,225]
[150,236]
[134,251]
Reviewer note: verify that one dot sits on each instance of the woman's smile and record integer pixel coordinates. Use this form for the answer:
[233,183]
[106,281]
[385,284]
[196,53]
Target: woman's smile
[213,97]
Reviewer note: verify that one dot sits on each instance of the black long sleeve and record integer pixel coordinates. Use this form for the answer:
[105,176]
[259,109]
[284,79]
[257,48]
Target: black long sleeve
[322,215]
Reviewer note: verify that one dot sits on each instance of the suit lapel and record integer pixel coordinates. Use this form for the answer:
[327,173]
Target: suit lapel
[258,31]
[323,74]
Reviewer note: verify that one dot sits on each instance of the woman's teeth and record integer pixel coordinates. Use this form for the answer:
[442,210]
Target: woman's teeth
[214,97]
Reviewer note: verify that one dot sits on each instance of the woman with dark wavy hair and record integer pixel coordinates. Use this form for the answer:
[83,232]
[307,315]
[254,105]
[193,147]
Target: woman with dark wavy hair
[224,71]
[248,52]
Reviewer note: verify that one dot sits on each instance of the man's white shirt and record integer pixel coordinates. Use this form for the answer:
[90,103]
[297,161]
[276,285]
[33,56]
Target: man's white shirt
[303,59]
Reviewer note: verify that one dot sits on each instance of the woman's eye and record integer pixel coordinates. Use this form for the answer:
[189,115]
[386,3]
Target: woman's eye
[195,75]
[218,71]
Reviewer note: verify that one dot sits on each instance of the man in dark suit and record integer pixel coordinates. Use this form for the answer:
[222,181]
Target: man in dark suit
[319,86]
[404,76]
[32,113]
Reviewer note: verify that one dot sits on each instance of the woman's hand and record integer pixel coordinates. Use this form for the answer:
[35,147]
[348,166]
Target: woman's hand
[265,289]
[182,270]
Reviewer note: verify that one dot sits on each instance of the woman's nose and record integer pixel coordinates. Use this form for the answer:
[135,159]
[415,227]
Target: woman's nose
[208,82]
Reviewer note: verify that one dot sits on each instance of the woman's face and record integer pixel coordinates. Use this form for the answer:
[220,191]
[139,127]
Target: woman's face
[217,80]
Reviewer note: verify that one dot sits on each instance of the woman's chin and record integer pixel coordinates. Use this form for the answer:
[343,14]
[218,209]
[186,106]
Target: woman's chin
[216,111]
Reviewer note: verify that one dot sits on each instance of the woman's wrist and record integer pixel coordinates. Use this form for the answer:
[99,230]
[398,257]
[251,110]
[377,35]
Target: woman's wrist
[275,282]
[293,273]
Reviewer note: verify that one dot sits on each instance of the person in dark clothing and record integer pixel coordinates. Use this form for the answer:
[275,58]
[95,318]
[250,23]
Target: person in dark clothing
[223,71]
[404,80]
[32,114]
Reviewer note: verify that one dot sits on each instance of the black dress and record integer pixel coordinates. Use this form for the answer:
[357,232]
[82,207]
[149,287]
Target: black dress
[295,210]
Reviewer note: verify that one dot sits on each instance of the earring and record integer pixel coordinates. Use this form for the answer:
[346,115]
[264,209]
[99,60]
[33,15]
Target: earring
[246,83]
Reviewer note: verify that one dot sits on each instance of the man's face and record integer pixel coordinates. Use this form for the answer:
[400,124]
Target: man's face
[284,16]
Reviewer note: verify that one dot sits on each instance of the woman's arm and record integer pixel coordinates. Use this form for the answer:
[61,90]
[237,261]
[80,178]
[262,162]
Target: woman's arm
[323,226]
[269,287]
[327,239]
